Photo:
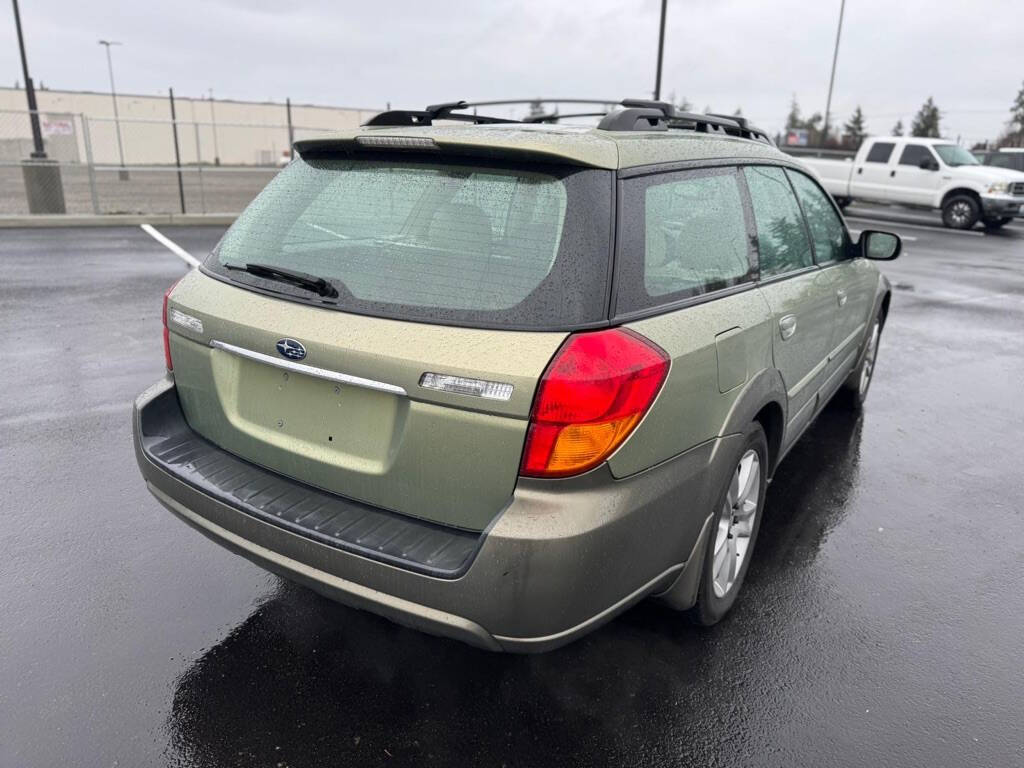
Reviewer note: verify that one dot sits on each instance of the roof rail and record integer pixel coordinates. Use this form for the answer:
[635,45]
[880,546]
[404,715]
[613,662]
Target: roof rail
[641,115]
[630,115]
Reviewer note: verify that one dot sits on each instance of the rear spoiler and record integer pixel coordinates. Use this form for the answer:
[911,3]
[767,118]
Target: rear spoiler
[596,155]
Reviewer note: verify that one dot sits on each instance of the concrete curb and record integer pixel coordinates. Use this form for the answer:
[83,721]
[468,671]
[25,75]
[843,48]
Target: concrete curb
[118,220]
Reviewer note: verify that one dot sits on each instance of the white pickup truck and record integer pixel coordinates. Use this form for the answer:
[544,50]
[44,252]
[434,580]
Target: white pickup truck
[928,173]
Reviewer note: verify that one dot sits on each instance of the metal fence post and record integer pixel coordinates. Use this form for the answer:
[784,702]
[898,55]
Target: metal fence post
[177,151]
[199,168]
[87,141]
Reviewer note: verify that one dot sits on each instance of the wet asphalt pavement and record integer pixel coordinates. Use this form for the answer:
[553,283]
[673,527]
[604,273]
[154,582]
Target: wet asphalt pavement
[882,622]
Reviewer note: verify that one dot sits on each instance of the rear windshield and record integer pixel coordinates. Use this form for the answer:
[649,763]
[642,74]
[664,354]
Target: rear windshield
[450,242]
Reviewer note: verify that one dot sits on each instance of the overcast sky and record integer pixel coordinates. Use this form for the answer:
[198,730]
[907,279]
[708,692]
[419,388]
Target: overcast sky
[719,53]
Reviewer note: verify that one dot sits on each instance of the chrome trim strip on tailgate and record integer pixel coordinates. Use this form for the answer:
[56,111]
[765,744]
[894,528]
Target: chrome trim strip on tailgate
[309,370]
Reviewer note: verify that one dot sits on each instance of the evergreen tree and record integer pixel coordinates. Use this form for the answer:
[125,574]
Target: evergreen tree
[812,124]
[854,131]
[897,130]
[1017,117]
[682,104]
[926,121]
[793,120]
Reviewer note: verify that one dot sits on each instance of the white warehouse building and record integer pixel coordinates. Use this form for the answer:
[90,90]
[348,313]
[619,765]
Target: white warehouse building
[79,125]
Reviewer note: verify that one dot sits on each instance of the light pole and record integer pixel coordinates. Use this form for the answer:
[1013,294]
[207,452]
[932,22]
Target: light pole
[661,50]
[113,96]
[213,119]
[43,188]
[39,152]
[832,77]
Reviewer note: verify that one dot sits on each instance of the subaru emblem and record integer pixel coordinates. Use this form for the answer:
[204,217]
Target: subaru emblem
[291,349]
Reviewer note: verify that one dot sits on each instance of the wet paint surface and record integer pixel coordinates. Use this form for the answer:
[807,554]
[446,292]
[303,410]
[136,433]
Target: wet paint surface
[880,624]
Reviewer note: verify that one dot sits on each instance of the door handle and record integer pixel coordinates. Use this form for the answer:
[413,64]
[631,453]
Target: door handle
[860,170]
[891,174]
[841,296]
[787,326]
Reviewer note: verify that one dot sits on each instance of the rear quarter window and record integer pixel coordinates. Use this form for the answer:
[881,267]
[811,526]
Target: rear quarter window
[446,241]
[684,234]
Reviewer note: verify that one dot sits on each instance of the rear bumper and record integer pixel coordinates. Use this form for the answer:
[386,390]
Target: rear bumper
[562,558]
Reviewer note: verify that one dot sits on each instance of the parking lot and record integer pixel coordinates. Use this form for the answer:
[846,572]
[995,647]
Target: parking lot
[880,624]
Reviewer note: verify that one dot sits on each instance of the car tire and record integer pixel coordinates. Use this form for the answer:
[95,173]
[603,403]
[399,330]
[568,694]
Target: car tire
[960,212]
[854,390]
[994,224]
[737,521]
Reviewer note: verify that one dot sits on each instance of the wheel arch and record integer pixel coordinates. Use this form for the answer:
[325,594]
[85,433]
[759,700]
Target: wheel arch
[763,399]
[773,422]
[956,191]
[883,307]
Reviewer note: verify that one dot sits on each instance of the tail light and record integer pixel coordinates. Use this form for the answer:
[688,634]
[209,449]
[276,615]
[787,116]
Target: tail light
[167,335]
[591,397]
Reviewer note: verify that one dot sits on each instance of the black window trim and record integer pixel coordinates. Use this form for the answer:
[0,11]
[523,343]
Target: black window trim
[617,318]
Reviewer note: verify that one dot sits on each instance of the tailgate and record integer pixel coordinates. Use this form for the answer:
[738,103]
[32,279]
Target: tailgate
[351,417]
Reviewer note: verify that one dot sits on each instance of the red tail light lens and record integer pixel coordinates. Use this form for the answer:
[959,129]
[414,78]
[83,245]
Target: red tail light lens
[167,335]
[592,396]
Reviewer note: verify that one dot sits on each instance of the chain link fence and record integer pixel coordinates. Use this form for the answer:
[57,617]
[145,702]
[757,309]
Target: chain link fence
[135,166]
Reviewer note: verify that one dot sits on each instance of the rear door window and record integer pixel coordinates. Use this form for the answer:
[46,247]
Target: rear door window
[782,239]
[827,230]
[684,234]
[452,241]
[880,152]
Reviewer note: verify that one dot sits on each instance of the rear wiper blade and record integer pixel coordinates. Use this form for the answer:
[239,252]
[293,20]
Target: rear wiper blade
[305,280]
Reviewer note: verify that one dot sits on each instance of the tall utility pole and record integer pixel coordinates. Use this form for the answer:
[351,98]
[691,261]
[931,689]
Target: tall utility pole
[30,92]
[661,51]
[213,119]
[113,95]
[832,78]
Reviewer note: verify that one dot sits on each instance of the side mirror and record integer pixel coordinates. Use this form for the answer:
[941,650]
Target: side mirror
[928,164]
[880,246]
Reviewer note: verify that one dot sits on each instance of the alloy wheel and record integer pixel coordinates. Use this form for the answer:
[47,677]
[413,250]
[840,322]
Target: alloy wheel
[960,213]
[736,523]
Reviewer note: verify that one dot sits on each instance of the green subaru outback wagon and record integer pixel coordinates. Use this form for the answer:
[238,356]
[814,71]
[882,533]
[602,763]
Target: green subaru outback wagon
[499,381]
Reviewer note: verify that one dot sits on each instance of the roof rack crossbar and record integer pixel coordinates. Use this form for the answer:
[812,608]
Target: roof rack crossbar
[447,111]
[505,102]
[554,117]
